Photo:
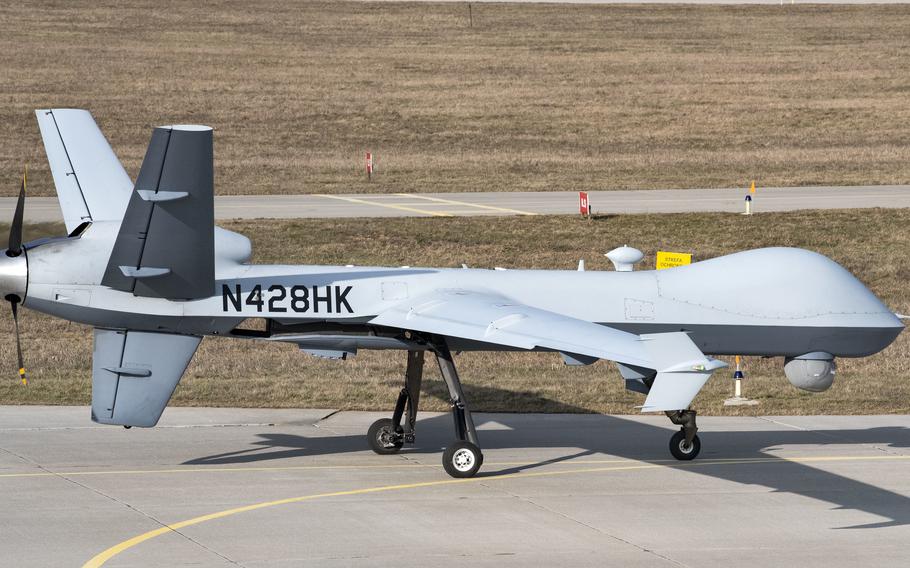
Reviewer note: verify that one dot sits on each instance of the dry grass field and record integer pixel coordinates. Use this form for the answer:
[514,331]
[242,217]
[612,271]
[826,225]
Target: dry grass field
[532,97]
[873,245]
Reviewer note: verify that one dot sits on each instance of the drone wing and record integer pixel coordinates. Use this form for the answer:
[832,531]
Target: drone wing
[681,368]
[91,183]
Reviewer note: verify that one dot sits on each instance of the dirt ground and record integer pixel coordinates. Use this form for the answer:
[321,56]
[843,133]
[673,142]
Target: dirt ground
[531,97]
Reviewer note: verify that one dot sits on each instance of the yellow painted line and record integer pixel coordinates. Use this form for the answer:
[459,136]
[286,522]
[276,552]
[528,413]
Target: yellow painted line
[101,558]
[408,465]
[469,204]
[184,470]
[210,470]
[387,205]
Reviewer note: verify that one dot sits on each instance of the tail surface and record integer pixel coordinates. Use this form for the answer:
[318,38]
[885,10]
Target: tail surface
[165,247]
[91,183]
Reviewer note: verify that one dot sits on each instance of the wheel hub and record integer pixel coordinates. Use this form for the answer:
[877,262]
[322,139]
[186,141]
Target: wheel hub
[385,438]
[463,460]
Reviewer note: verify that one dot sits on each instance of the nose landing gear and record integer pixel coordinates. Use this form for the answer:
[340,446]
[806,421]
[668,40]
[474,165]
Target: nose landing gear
[684,445]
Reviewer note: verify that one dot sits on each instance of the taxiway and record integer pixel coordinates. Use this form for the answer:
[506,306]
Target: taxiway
[247,487]
[44,209]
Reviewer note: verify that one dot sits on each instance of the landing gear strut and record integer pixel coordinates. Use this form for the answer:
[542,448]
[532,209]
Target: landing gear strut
[684,445]
[387,436]
[462,458]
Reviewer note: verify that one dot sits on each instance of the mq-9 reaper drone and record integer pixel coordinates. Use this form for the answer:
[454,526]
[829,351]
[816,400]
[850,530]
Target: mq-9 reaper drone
[145,265]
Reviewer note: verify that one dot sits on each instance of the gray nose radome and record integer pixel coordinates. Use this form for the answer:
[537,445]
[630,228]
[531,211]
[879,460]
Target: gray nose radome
[13,276]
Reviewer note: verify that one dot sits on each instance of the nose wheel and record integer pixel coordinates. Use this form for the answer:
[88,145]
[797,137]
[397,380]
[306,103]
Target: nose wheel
[683,450]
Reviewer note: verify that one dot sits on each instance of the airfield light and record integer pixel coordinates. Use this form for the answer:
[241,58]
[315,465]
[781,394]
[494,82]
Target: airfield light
[749,199]
[738,399]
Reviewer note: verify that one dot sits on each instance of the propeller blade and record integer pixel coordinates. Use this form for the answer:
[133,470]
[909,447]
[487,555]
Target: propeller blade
[22,377]
[14,248]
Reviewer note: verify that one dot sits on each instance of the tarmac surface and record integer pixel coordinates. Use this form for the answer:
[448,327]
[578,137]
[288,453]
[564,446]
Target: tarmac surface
[252,488]
[44,209]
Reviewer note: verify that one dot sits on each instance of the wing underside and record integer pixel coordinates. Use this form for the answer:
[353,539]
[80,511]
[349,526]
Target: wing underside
[680,368]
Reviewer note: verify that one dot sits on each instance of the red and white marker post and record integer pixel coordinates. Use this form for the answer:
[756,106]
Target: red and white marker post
[584,205]
[369,166]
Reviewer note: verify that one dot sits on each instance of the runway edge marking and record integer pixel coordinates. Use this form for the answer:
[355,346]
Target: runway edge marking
[101,558]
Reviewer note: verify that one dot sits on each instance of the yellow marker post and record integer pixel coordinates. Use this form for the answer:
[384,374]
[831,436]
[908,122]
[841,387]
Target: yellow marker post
[752,189]
[672,259]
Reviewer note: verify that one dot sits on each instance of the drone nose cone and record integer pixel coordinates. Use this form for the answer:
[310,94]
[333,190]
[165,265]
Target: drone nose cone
[13,276]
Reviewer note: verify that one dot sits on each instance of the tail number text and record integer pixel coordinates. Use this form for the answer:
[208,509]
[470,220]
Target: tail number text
[278,298]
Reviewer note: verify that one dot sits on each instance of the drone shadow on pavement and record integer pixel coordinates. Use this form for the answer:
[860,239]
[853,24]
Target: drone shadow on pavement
[573,435]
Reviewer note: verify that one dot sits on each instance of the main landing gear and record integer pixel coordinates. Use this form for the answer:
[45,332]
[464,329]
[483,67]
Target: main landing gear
[462,458]
[388,435]
[684,445]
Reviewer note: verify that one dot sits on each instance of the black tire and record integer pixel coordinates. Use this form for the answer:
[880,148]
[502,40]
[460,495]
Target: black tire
[462,459]
[383,439]
[680,451]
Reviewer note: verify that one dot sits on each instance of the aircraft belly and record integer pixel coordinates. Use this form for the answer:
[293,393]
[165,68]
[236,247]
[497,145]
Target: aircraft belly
[777,340]
[722,339]
[99,317]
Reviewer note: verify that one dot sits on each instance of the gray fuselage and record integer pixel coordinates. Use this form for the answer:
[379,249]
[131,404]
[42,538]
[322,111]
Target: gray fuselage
[769,302]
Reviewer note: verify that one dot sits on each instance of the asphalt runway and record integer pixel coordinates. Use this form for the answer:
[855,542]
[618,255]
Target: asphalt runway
[44,209]
[252,488]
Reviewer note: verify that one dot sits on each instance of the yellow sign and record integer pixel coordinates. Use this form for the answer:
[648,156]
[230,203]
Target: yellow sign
[671,259]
